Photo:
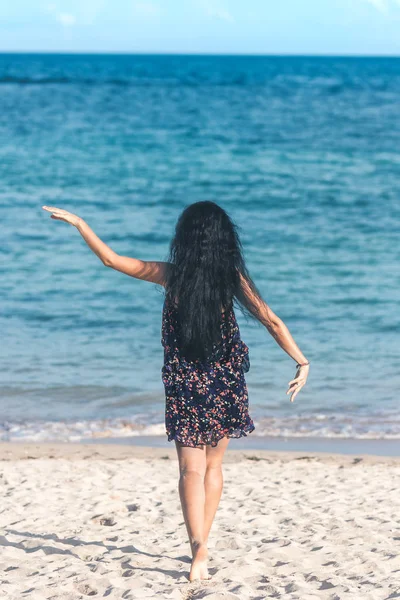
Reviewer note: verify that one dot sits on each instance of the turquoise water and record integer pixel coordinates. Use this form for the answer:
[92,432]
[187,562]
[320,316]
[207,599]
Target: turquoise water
[302,152]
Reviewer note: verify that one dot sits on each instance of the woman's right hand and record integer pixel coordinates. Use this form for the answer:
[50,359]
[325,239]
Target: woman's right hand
[298,382]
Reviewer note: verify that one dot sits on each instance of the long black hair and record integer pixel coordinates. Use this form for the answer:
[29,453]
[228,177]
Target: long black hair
[206,273]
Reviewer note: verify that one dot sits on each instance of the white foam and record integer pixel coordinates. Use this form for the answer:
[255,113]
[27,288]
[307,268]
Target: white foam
[315,425]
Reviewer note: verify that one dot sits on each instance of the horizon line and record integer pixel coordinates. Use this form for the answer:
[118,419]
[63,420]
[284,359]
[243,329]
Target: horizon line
[222,54]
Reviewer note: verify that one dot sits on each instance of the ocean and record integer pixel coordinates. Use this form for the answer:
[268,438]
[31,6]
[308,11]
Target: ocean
[303,153]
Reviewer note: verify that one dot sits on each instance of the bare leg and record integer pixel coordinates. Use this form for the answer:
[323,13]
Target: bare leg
[192,467]
[213,483]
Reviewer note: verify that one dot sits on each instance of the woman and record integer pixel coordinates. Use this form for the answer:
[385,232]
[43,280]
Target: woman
[204,357]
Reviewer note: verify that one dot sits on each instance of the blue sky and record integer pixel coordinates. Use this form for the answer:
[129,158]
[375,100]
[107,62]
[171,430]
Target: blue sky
[202,26]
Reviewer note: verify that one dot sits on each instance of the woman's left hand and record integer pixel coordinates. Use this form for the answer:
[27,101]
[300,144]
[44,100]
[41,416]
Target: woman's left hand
[298,382]
[62,215]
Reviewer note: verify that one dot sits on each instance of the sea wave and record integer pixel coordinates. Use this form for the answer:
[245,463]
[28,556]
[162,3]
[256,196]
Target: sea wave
[310,426]
[283,85]
[11,79]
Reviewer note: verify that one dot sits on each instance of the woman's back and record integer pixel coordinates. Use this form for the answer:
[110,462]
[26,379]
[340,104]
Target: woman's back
[229,346]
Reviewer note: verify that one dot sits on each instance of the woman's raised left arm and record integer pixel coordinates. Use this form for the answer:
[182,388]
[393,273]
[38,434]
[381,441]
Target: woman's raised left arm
[153,271]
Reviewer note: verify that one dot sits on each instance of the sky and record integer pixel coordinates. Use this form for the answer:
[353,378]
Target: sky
[345,27]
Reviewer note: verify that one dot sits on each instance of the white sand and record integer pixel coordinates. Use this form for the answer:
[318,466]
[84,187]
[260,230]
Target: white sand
[105,521]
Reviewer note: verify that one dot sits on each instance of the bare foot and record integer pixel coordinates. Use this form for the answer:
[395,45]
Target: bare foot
[199,563]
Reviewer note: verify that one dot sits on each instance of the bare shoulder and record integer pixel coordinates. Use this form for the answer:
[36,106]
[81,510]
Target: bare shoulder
[157,271]
[254,301]
[250,290]
[246,288]
[154,271]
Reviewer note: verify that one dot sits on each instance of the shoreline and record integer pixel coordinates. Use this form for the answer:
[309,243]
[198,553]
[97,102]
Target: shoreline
[342,446]
[148,449]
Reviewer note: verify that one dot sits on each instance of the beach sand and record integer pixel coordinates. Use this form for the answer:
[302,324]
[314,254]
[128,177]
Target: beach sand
[89,520]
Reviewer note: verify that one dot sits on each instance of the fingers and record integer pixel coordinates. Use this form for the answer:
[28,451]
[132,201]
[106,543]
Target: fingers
[292,389]
[297,381]
[296,384]
[295,388]
[54,209]
[296,391]
[58,214]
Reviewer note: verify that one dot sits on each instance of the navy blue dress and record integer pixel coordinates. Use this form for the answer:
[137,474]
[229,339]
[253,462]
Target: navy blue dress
[205,401]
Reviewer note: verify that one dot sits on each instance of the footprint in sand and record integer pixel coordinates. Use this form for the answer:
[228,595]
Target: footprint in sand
[86,589]
[107,521]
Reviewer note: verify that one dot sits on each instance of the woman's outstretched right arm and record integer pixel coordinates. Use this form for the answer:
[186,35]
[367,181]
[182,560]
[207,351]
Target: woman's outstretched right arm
[277,328]
[148,270]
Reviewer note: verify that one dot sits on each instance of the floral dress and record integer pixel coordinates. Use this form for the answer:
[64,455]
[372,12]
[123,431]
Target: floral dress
[205,401]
